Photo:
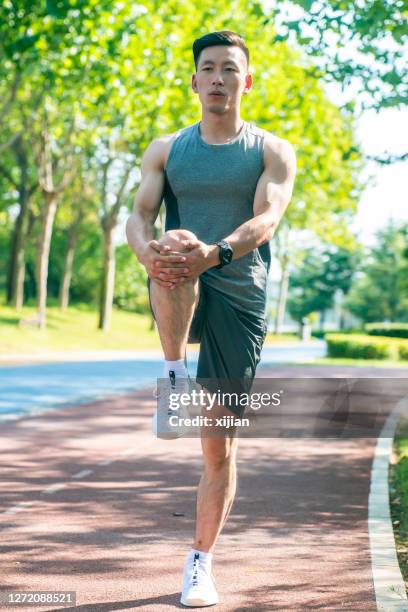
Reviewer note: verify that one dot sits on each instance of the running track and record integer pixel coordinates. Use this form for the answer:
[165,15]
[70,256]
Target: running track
[88,498]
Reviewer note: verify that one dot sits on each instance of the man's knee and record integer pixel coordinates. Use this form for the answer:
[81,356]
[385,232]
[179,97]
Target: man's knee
[174,239]
[219,451]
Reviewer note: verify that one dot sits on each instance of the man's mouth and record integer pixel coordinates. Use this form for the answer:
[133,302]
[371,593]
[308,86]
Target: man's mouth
[216,93]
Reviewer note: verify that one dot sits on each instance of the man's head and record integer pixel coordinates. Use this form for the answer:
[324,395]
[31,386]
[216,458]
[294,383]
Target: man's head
[222,61]
[224,38]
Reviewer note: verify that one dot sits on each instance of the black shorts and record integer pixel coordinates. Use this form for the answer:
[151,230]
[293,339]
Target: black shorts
[230,340]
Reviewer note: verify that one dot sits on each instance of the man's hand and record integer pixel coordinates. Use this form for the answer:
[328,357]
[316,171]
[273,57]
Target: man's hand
[162,265]
[199,258]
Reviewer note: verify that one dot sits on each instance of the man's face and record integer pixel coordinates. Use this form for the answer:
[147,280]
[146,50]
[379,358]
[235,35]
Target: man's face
[221,78]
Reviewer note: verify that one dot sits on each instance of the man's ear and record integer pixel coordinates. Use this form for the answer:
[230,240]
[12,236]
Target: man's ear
[248,83]
[194,83]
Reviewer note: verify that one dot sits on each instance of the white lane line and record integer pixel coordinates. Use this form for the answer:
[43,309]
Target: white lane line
[18,507]
[389,585]
[55,487]
[60,485]
[82,474]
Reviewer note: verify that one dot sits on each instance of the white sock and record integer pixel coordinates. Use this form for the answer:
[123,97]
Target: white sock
[205,557]
[178,367]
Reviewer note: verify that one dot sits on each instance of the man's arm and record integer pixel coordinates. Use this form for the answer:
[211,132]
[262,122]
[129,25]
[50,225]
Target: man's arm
[139,226]
[272,195]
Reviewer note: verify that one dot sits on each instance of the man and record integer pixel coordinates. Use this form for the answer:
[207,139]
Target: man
[227,183]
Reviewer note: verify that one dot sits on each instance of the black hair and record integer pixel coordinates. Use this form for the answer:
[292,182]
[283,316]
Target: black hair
[224,37]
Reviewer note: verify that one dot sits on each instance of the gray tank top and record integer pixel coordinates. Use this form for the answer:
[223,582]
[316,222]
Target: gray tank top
[209,189]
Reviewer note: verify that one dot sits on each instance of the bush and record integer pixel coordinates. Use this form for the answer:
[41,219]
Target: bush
[403,351]
[321,333]
[365,347]
[393,330]
[318,333]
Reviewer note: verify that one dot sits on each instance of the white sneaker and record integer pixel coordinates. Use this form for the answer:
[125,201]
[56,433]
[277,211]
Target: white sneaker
[198,584]
[162,426]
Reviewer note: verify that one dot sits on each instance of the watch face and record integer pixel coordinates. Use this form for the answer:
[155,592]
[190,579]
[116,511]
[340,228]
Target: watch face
[226,254]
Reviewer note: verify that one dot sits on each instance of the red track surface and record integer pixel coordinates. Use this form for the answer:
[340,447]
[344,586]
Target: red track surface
[296,539]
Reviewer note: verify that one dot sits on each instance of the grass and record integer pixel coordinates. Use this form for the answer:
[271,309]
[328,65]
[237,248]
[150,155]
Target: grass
[347,361]
[398,482]
[76,330]
[276,338]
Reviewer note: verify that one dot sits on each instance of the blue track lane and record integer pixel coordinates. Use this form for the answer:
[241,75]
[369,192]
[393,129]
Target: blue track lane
[33,389]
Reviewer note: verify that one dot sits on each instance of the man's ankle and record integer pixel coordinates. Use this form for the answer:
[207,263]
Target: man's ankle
[205,556]
[178,366]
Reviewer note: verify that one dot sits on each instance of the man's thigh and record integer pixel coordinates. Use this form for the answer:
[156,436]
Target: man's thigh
[230,350]
[197,322]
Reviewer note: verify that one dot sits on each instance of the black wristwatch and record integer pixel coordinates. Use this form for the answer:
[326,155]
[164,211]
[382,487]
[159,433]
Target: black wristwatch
[225,254]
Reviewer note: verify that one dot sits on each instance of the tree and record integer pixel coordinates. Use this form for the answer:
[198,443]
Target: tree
[25,185]
[359,43]
[101,62]
[314,284]
[78,210]
[381,291]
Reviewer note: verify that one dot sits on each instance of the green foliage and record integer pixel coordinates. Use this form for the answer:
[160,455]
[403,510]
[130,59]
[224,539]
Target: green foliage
[130,282]
[381,291]
[87,267]
[314,283]
[365,347]
[376,29]
[403,351]
[398,481]
[5,245]
[392,330]
[124,71]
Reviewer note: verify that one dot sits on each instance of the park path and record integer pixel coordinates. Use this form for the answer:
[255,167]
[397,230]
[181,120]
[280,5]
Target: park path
[48,382]
[89,496]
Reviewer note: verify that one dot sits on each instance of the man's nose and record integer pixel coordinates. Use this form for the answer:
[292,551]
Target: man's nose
[217,78]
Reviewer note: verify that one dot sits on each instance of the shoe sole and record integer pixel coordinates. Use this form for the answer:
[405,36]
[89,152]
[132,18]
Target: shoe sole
[198,603]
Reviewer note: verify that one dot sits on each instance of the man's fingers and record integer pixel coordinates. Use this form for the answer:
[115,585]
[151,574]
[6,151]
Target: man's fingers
[171,279]
[166,260]
[190,244]
[159,248]
[167,285]
[170,268]
[173,272]
[155,245]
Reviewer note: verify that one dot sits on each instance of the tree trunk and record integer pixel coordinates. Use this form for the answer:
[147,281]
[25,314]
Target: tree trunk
[16,273]
[43,255]
[17,264]
[17,287]
[67,274]
[283,294]
[108,279]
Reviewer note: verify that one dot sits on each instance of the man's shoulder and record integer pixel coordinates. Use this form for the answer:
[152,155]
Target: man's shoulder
[272,142]
[276,147]
[167,139]
[161,145]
